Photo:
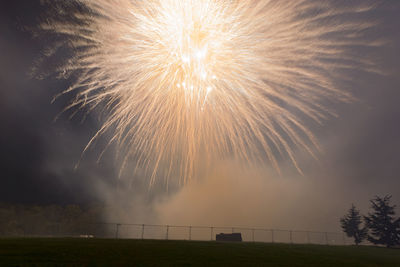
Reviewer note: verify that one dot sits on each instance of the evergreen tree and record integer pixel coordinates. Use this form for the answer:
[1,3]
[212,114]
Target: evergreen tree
[351,225]
[384,227]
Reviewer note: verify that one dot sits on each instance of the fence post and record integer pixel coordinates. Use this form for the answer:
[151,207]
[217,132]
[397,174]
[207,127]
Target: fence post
[272,235]
[233,230]
[326,238]
[212,229]
[291,239]
[308,237]
[344,240]
[117,230]
[252,233]
[190,232]
[166,237]
[142,231]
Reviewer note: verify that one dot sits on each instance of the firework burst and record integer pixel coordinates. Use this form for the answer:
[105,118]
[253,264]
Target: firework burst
[189,82]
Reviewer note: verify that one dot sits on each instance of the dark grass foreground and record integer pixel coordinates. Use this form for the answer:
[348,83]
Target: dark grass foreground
[109,252]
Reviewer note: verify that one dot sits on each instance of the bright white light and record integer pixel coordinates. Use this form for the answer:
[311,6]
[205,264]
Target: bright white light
[192,82]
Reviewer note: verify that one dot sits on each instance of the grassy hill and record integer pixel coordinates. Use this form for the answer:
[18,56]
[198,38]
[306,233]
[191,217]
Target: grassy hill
[109,252]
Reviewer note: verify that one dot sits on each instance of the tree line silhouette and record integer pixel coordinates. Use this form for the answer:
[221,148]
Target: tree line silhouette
[51,220]
[379,227]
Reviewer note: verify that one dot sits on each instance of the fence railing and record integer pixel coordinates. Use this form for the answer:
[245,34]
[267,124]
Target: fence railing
[208,233]
[178,232]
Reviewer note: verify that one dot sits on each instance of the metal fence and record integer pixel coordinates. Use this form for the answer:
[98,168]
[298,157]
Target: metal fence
[178,232]
[208,233]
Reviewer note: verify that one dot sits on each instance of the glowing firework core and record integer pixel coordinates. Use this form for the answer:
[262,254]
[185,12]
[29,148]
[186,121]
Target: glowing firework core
[191,35]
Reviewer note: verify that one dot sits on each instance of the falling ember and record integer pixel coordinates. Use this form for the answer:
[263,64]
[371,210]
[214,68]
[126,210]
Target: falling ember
[189,82]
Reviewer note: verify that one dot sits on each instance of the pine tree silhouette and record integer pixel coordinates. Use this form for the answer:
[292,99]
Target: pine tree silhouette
[351,225]
[384,227]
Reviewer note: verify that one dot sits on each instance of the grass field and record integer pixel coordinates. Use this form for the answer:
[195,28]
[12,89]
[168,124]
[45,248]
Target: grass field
[111,252]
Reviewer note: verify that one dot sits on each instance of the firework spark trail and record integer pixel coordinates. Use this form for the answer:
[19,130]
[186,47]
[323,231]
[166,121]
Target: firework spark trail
[188,82]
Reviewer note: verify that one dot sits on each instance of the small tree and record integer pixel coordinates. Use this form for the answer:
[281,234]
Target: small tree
[384,227]
[351,225]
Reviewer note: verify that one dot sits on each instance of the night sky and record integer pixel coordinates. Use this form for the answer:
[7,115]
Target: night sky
[38,154]
[361,147]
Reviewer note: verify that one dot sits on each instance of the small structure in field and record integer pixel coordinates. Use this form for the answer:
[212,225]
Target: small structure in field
[234,237]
